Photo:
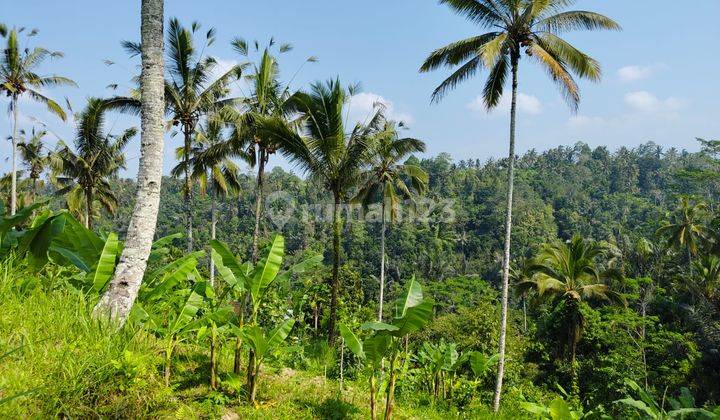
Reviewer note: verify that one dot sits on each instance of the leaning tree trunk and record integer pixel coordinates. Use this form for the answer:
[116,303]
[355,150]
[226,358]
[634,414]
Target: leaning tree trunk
[187,131]
[258,202]
[118,300]
[335,285]
[13,173]
[508,230]
[382,259]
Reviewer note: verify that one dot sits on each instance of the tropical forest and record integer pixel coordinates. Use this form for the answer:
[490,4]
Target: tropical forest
[231,238]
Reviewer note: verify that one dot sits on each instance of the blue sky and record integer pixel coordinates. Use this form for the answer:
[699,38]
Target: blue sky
[659,84]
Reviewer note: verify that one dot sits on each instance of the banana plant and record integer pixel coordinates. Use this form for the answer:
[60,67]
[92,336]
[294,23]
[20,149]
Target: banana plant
[480,363]
[412,311]
[11,227]
[216,325]
[176,319]
[262,344]
[233,273]
[558,409]
[436,360]
[247,283]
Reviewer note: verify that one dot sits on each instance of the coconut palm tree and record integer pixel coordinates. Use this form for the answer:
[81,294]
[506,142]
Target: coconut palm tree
[18,78]
[118,300]
[516,25]
[569,275]
[390,179]
[85,173]
[268,97]
[211,168]
[685,229]
[329,153]
[191,91]
[36,159]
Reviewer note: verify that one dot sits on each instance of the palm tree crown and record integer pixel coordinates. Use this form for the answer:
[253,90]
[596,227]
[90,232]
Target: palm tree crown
[18,73]
[332,155]
[534,25]
[387,176]
[98,156]
[33,154]
[685,229]
[209,161]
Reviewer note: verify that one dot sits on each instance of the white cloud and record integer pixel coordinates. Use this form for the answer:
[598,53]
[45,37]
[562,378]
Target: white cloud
[634,72]
[363,105]
[585,121]
[526,104]
[647,103]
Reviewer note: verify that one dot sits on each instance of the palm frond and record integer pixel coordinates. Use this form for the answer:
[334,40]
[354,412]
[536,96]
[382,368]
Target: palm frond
[574,20]
[463,73]
[457,52]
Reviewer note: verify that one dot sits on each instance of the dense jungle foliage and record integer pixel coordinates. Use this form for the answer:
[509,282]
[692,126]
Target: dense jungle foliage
[628,203]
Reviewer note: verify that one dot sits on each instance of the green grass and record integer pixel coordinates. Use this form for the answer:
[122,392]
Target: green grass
[76,368]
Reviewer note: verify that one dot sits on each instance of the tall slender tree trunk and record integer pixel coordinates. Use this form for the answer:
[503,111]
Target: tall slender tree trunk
[213,227]
[335,285]
[258,202]
[187,130]
[382,258]
[88,208]
[524,299]
[508,231]
[13,173]
[574,386]
[118,300]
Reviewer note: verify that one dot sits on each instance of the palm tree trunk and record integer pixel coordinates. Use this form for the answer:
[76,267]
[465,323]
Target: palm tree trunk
[213,225]
[13,174]
[88,208]
[335,285]
[524,314]
[573,371]
[258,203]
[118,300]
[382,259]
[508,231]
[187,130]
